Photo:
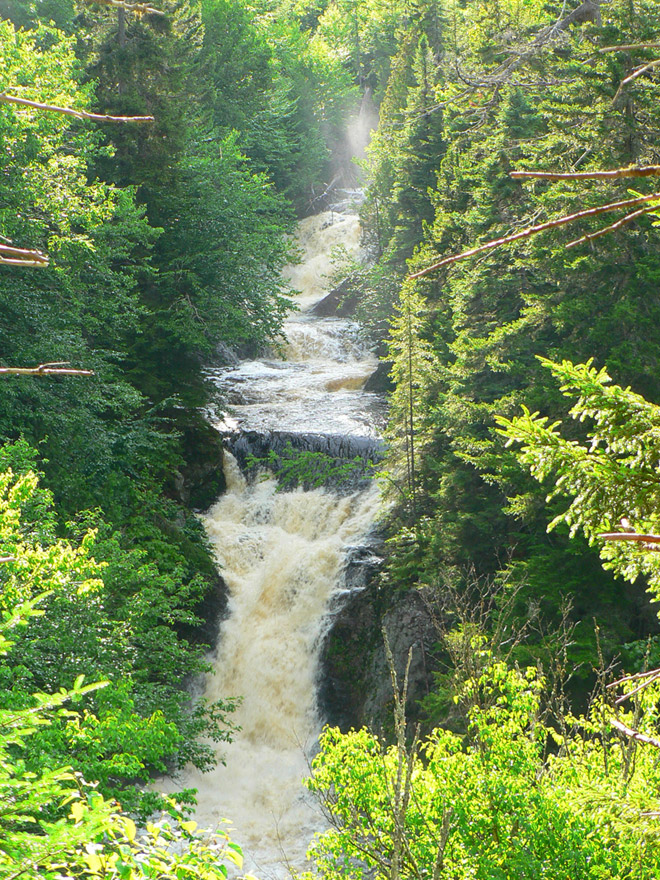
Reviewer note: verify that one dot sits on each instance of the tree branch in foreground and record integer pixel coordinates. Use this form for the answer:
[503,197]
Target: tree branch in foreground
[633,76]
[616,174]
[13,256]
[613,227]
[630,536]
[533,230]
[634,734]
[68,111]
[628,47]
[57,368]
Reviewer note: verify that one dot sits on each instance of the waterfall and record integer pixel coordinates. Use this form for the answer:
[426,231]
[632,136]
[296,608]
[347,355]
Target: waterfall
[282,556]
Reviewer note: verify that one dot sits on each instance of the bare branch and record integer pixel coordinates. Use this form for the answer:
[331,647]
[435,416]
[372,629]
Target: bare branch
[57,368]
[612,228]
[533,230]
[630,536]
[616,174]
[640,687]
[138,8]
[633,76]
[13,256]
[629,47]
[32,264]
[7,559]
[635,676]
[68,111]
[635,734]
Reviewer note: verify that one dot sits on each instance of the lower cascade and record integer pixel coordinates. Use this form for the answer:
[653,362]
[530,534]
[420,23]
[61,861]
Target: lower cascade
[282,555]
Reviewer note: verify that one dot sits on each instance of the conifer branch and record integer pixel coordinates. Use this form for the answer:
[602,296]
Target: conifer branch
[533,230]
[68,111]
[615,174]
[57,368]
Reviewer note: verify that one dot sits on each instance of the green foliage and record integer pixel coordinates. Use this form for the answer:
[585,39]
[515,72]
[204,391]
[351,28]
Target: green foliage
[414,372]
[165,239]
[313,470]
[364,35]
[53,824]
[117,618]
[608,475]
[496,87]
[495,803]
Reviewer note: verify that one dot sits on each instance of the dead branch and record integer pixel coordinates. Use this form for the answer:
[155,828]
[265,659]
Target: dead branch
[533,230]
[7,559]
[68,111]
[138,8]
[615,174]
[634,734]
[633,76]
[612,228]
[57,368]
[13,256]
[640,687]
[630,536]
[629,47]
[33,264]
[635,676]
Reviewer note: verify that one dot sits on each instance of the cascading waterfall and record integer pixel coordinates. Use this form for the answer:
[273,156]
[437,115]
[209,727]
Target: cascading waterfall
[282,556]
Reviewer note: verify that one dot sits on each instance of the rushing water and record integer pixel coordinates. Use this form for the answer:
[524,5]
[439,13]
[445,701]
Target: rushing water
[282,556]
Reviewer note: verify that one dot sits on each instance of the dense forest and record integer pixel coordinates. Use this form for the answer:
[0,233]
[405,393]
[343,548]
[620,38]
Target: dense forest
[151,181]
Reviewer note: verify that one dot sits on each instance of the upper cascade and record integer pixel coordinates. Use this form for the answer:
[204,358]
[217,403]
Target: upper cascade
[313,383]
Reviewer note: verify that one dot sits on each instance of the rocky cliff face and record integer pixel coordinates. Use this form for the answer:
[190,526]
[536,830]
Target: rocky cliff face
[200,479]
[355,686]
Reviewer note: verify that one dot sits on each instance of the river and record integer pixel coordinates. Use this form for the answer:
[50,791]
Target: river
[282,555]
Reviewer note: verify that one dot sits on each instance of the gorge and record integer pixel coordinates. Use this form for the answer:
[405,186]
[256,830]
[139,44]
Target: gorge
[282,555]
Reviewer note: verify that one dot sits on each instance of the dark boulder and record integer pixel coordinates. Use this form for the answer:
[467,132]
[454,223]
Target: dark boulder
[380,381]
[354,680]
[200,479]
[341,302]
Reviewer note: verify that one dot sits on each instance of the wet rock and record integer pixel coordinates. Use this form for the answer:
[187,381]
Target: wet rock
[225,356]
[352,637]
[339,446]
[211,612]
[380,381]
[341,302]
[355,685]
[276,451]
[409,626]
[200,480]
